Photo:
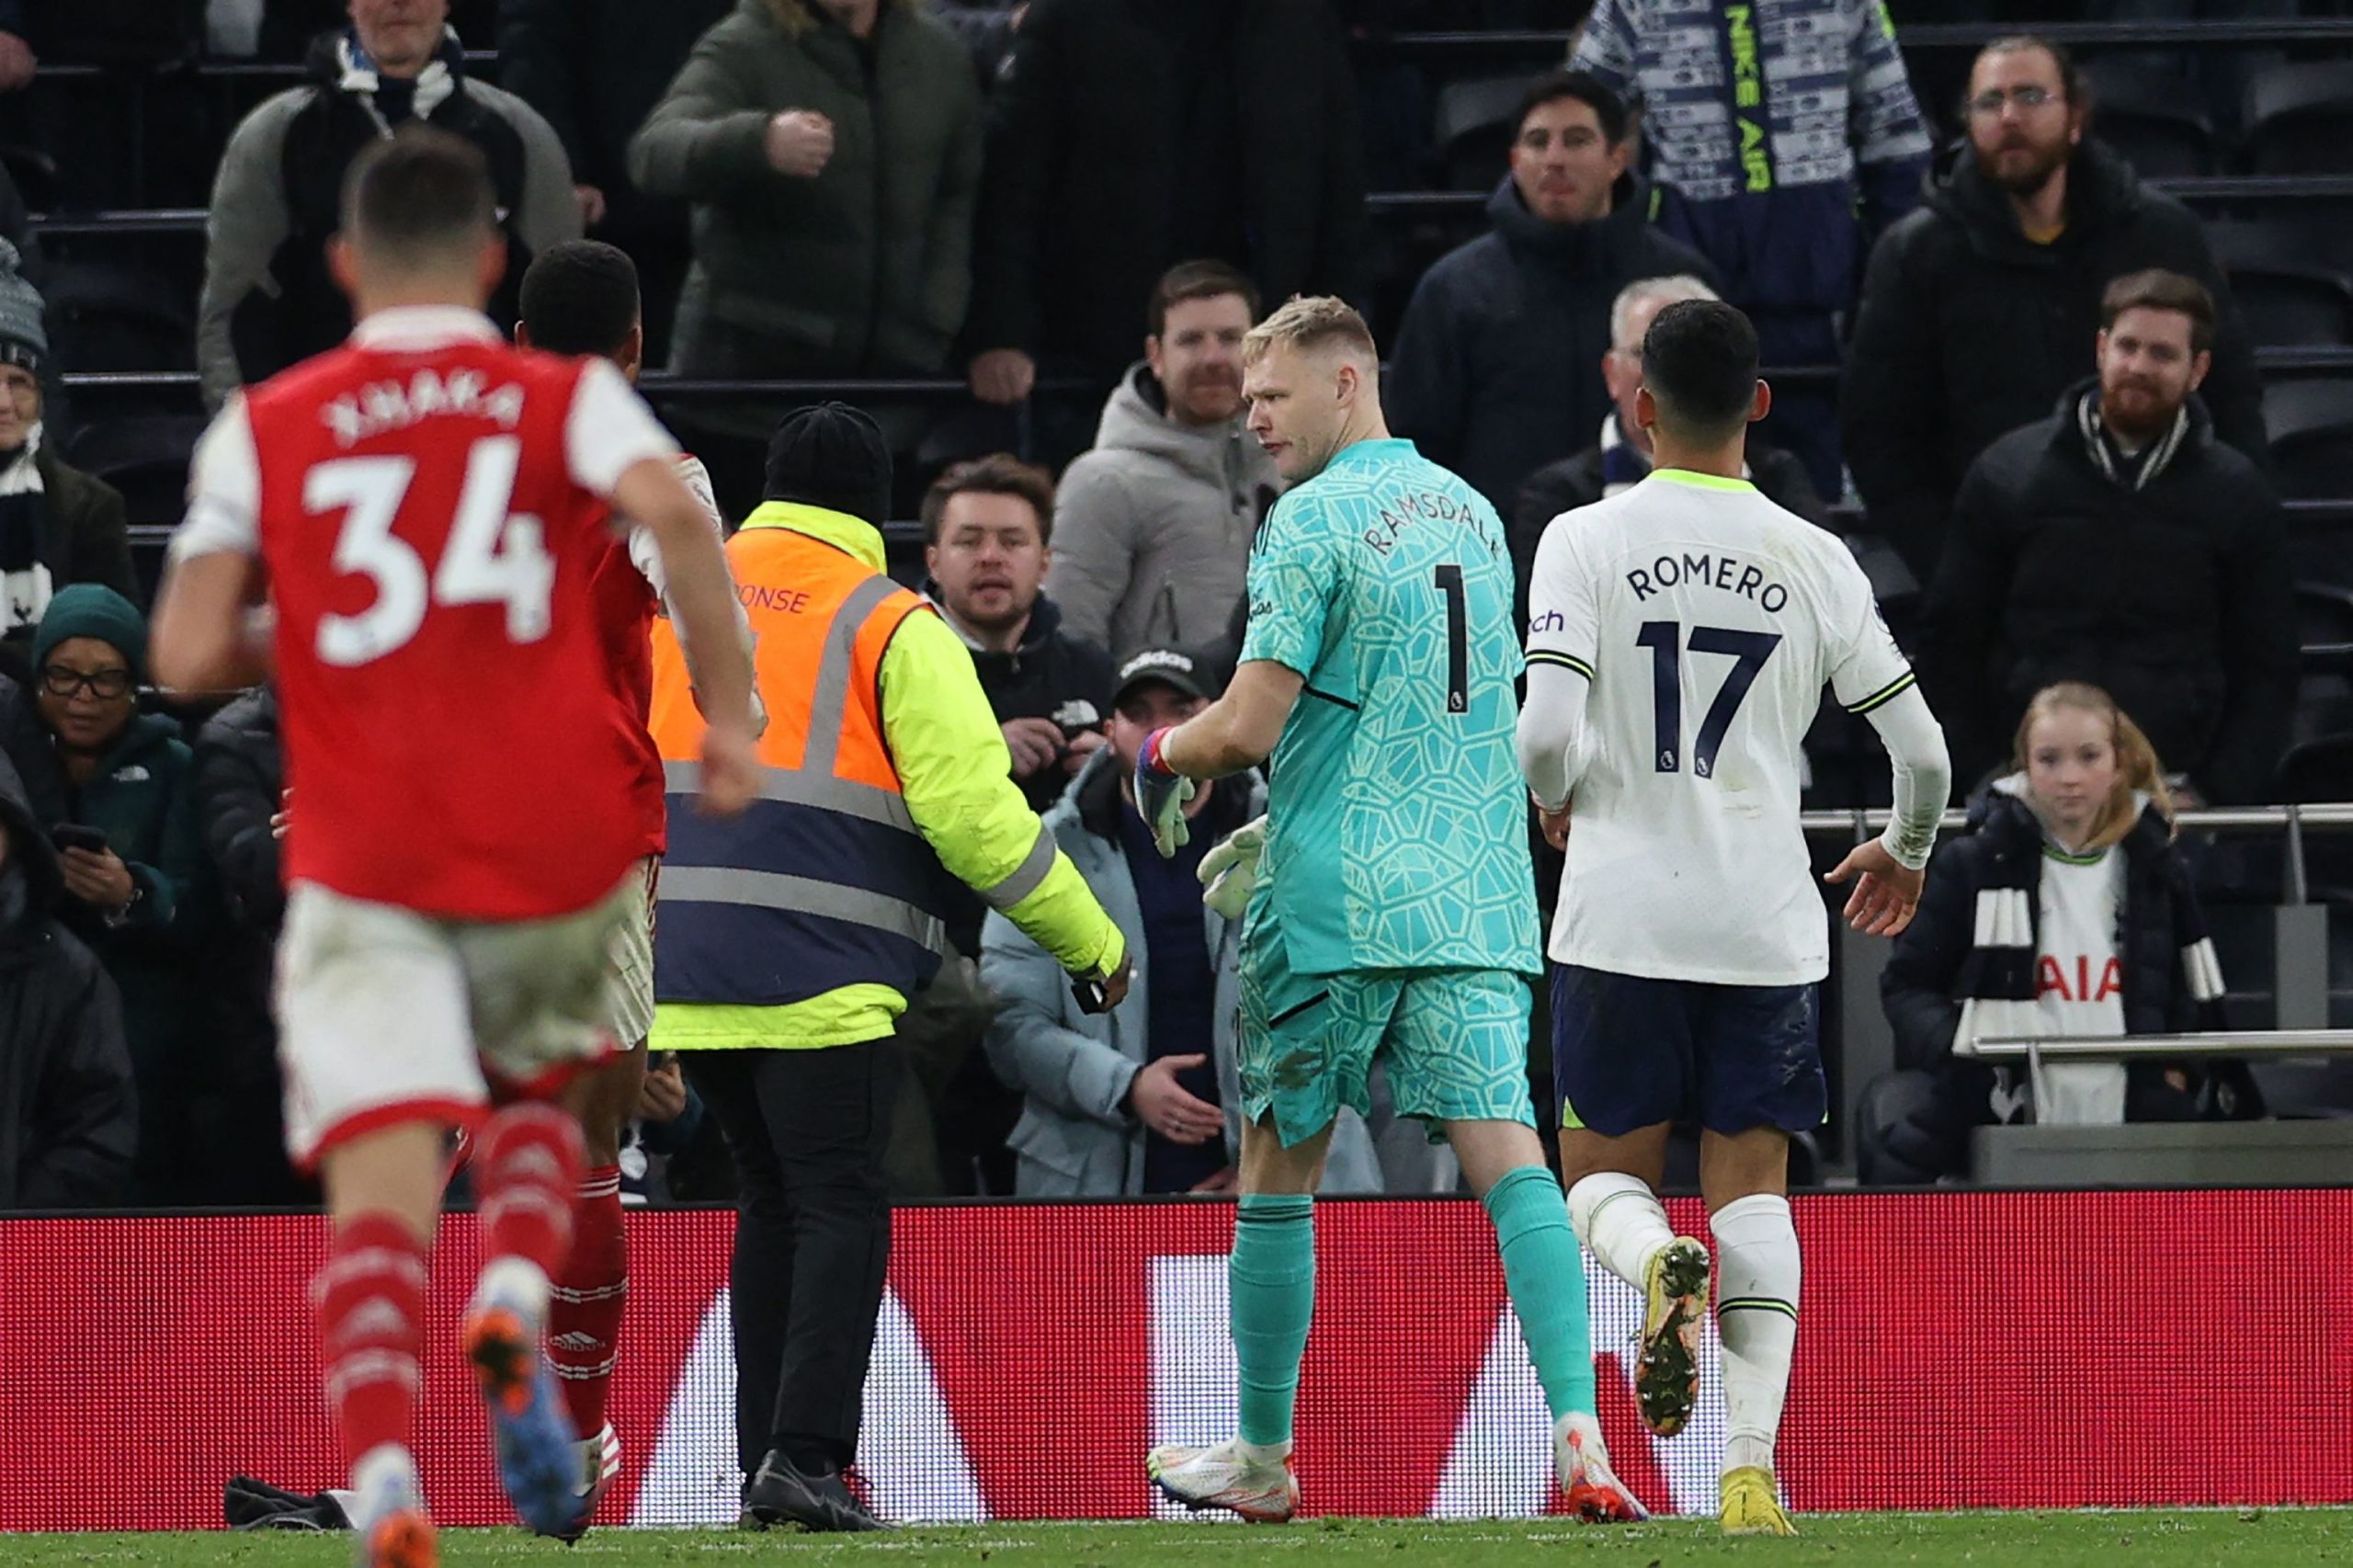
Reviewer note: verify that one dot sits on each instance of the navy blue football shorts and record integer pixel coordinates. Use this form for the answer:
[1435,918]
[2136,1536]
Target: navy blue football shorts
[1630,1052]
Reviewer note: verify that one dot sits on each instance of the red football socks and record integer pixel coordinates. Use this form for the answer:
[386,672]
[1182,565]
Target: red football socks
[584,1311]
[370,1299]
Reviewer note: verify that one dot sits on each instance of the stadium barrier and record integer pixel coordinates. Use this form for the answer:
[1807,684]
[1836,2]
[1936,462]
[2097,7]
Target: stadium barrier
[2043,1349]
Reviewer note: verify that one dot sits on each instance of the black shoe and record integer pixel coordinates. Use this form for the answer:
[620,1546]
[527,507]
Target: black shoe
[782,1491]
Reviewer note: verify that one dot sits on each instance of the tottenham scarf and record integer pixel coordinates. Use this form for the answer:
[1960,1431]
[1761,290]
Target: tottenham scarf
[1997,978]
[27,580]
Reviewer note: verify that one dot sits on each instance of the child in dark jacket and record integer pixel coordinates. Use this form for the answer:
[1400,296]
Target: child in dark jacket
[2064,909]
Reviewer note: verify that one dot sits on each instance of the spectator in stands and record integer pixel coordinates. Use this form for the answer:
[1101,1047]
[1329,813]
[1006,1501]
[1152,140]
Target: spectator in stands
[986,528]
[832,151]
[58,524]
[17,61]
[1493,371]
[1156,523]
[268,298]
[241,806]
[2064,910]
[593,69]
[2119,542]
[1782,176]
[67,1120]
[988,525]
[1145,1098]
[1622,458]
[137,890]
[1126,135]
[1979,310]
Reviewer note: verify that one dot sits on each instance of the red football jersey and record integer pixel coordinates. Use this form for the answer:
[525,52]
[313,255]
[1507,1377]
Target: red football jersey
[629,596]
[429,505]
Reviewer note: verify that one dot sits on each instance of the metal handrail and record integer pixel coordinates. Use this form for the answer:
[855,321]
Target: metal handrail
[1947,35]
[2332,816]
[2210,1042]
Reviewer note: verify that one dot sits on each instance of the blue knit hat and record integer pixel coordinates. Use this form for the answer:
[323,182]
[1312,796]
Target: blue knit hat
[93,609]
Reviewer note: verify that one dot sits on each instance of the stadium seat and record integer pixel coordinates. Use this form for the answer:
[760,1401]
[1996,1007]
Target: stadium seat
[2300,119]
[2153,119]
[2288,292]
[144,456]
[2310,424]
[120,315]
[1473,130]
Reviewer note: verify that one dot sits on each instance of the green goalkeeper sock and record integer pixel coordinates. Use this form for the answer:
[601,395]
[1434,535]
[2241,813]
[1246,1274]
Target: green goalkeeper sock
[1545,1275]
[1272,1279]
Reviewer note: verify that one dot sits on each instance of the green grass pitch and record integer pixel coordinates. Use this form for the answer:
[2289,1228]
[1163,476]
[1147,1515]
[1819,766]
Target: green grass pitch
[2144,1539]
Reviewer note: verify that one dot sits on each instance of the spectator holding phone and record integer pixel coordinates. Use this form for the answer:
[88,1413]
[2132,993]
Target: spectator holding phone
[988,527]
[130,855]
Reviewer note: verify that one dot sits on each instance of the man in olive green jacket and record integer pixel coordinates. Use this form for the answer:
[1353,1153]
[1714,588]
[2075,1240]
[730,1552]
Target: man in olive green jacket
[832,153]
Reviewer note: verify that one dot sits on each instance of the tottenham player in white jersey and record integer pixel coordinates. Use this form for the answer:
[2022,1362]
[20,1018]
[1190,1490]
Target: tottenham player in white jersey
[1681,635]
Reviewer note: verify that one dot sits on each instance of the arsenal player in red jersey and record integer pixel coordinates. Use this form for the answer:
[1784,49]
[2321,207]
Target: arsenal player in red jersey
[581,297]
[424,507]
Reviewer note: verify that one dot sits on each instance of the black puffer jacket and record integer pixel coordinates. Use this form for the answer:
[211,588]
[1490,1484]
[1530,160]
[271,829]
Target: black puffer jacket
[1497,367]
[239,779]
[1967,330]
[1129,136]
[239,783]
[68,1122]
[2176,599]
[1920,985]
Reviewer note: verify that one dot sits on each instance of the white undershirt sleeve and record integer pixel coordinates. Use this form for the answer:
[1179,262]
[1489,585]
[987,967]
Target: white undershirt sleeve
[1916,751]
[223,489]
[1551,722]
[609,430]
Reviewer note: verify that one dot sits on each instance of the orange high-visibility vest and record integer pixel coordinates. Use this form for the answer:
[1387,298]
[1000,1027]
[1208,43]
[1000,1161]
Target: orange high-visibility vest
[824,881]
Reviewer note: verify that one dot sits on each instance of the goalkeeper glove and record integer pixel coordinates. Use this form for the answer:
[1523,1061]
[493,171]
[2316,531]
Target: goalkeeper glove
[1230,871]
[1161,794]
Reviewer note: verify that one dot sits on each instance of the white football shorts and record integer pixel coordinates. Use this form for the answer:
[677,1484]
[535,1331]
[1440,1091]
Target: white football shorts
[388,1016]
[630,999]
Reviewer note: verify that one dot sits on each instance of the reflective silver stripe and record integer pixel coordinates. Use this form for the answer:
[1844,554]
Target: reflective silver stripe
[797,788]
[1027,878]
[799,895]
[831,698]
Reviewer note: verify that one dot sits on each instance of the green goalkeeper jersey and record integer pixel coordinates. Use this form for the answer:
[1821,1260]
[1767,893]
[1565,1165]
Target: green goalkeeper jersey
[1397,832]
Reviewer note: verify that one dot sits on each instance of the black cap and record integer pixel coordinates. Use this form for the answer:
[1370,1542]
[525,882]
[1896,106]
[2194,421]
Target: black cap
[1195,675]
[832,456]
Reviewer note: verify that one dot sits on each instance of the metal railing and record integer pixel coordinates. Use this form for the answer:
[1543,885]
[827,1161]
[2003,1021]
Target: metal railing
[2268,1045]
[2250,33]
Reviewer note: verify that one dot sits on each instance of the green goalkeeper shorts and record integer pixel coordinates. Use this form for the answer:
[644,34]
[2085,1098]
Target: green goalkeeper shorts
[1453,1043]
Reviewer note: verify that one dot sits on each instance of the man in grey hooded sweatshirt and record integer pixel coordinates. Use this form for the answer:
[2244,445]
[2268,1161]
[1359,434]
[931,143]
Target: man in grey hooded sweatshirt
[1153,528]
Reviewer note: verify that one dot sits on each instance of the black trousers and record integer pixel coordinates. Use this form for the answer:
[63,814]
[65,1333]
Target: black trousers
[813,1234]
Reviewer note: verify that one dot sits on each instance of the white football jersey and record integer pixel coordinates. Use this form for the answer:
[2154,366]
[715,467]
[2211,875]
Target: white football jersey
[1707,620]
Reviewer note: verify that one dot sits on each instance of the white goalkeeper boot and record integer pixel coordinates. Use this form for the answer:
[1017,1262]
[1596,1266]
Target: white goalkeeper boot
[1263,1491]
[1582,1462]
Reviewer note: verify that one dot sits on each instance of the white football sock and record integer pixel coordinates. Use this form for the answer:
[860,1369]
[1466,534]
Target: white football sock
[1620,1221]
[1756,1314]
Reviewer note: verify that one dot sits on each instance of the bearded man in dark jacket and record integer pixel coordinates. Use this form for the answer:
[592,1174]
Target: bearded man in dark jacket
[2117,542]
[1980,307]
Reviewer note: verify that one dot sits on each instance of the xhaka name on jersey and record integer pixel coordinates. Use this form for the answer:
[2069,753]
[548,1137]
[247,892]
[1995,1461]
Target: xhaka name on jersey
[393,405]
[1730,574]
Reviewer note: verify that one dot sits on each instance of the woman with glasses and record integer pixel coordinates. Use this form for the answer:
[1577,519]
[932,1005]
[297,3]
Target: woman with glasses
[133,861]
[58,524]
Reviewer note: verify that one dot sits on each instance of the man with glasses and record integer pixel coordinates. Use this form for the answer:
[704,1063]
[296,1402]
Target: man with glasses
[1493,374]
[1979,310]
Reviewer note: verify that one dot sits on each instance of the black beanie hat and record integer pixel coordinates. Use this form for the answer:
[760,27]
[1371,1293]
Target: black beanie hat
[832,456]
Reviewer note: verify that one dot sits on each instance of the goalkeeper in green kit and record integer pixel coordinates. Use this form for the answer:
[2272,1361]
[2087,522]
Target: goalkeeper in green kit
[1393,917]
